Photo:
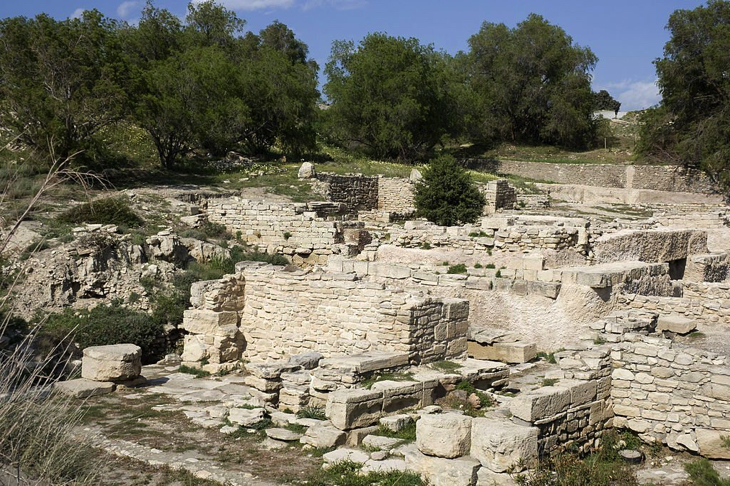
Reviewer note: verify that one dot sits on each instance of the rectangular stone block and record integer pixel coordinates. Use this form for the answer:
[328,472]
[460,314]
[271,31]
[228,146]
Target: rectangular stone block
[201,321]
[541,403]
[348,409]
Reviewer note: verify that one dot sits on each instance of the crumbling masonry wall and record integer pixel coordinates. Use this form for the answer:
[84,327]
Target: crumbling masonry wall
[678,396]
[277,227]
[286,313]
[266,313]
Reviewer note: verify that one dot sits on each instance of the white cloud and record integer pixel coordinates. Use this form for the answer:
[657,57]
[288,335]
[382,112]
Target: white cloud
[338,4]
[77,13]
[126,8]
[634,95]
[253,4]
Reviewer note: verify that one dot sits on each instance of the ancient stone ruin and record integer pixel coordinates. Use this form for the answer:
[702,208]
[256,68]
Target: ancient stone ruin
[532,331]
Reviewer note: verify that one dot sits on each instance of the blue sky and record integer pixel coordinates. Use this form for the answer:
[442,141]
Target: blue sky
[626,35]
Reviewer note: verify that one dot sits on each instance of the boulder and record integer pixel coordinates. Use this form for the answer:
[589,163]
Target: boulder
[711,444]
[396,423]
[307,171]
[284,435]
[500,445]
[444,435]
[323,436]
[117,362]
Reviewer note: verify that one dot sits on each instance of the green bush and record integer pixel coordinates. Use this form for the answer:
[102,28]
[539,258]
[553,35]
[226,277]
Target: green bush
[459,268]
[104,325]
[701,473]
[446,195]
[103,211]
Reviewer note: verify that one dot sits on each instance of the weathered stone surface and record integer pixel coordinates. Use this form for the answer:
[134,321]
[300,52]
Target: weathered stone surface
[516,352]
[384,466]
[246,417]
[118,362]
[676,324]
[307,171]
[396,423]
[348,409]
[541,403]
[262,384]
[500,445]
[265,371]
[341,455]
[380,443]
[307,361]
[204,321]
[438,471]
[444,435]
[631,456]
[83,388]
[323,436]
[711,444]
[283,434]
[487,477]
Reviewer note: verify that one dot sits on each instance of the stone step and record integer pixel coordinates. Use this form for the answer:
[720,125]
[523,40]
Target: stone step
[676,324]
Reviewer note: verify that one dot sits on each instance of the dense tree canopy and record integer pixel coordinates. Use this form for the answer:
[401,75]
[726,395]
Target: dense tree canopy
[603,100]
[446,195]
[531,84]
[388,95]
[60,81]
[692,123]
[192,85]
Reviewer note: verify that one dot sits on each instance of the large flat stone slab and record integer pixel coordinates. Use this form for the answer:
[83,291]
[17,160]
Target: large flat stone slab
[366,362]
[676,324]
[83,388]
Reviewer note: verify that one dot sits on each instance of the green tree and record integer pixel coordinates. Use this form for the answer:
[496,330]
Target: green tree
[190,103]
[604,101]
[691,126]
[531,85]
[60,81]
[446,195]
[387,95]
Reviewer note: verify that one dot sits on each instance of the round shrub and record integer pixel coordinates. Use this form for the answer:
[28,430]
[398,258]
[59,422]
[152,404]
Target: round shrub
[112,210]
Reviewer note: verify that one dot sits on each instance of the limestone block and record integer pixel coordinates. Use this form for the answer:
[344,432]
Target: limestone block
[516,352]
[245,417]
[262,384]
[323,436]
[676,324]
[356,436]
[399,395]
[444,435]
[194,348]
[438,471]
[228,344]
[83,388]
[306,361]
[581,392]
[384,466]
[381,443]
[345,454]
[396,423]
[349,409]
[500,445]
[117,362]
[711,444]
[265,371]
[203,321]
[541,403]
[486,477]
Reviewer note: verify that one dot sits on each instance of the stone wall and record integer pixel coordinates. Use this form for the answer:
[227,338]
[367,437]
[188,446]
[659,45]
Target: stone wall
[287,228]
[286,313]
[660,245]
[498,194]
[357,191]
[675,395]
[395,195]
[652,177]
[415,234]
[704,310]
